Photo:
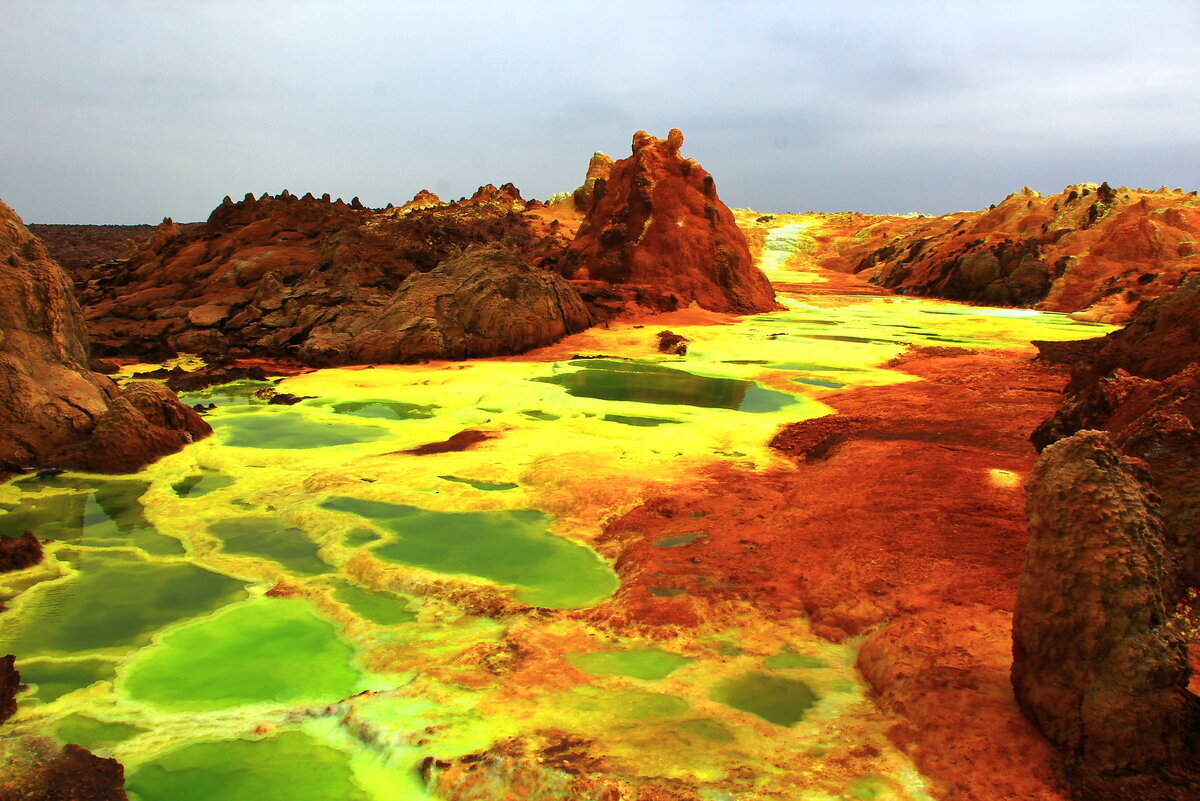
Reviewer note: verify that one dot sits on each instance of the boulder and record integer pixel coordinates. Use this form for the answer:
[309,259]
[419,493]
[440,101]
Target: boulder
[18,553]
[1094,665]
[657,221]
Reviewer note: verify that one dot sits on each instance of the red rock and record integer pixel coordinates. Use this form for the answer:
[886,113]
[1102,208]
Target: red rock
[280,276]
[657,221]
[18,553]
[1095,666]
[1100,662]
[599,170]
[72,774]
[57,412]
[1098,252]
[462,441]
[10,683]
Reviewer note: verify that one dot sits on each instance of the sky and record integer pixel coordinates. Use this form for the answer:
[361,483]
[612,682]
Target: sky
[126,111]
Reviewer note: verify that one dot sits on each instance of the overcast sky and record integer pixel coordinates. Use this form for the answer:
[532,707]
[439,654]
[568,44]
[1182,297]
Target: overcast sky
[129,111]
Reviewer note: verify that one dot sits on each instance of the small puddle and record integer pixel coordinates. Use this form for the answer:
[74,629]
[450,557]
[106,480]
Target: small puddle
[381,608]
[777,699]
[639,663]
[485,486]
[236,393]
[386,410]
[56,678]
[201,484]
[289,430]
[679,540]
[628,420]
[268,538]
[269,650]
[514,548]
[288,766]
[645,382]
[91,733]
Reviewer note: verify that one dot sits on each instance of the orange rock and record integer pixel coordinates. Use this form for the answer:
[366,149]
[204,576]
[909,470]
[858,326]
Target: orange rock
[657,222]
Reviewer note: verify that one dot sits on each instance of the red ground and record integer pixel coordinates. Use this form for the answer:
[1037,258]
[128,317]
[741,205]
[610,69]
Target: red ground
[893,527]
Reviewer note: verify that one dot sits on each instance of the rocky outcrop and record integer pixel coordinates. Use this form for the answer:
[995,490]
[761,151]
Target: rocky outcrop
[1102,622]
[486,302]
[657,222]
[10,682]
[264,275]
[599,170]
[1095,666]
[1159,342]
[18,553]
[55,411]
[1091,250]
[71,774]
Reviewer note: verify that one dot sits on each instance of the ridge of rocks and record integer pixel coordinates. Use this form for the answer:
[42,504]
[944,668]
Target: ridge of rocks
[1092,250]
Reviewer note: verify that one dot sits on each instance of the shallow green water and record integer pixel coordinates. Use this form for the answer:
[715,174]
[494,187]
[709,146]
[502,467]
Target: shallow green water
[289,430]
[236,393]
[270,650]
[55,679]
[679,540]
[385,409]
[287,767]
[630,420]
[201,484]
[269,538]
[646,382]
[91,733]
[115,602]
[514,548]
[790,661]
[639,663]
[777,699]
[85,510]
[381,608]
[486,486]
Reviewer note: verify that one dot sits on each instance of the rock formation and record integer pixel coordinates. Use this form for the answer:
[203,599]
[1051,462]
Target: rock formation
[486,302]
[1100,656]
[599,170]
[10,682]
[265,275]
[1091,250]
[18,553]
[39,773]
[657,222]
[57,412]
[1095,667]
